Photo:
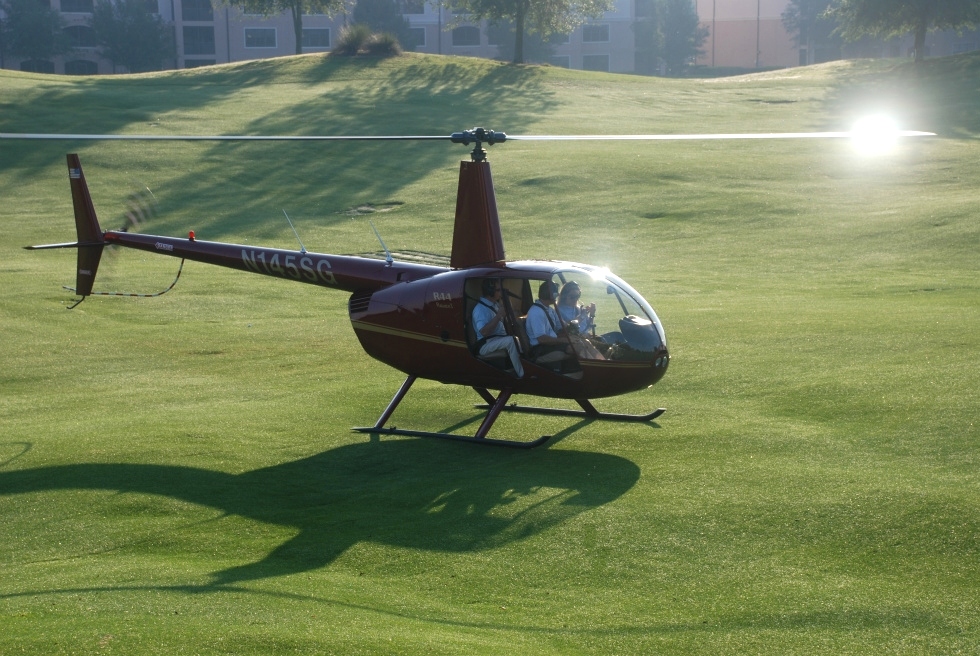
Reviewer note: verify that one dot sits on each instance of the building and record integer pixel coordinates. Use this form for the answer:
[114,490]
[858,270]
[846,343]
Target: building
[744,34]
[206,34]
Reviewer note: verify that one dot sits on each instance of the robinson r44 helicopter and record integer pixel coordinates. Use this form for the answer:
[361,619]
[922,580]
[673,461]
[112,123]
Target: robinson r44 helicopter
[418,318]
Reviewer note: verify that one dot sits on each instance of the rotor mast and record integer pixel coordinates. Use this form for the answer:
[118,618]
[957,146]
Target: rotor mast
[477,238]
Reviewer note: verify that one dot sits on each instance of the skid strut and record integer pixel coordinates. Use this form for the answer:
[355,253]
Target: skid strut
[588,410]
[494,407]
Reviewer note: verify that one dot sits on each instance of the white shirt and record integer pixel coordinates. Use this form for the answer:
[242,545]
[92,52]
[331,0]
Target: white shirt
[483,313]
[570,313]
[541,320]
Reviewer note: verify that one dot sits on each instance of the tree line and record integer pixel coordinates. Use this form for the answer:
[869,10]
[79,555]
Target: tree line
[668,33]
[828,23]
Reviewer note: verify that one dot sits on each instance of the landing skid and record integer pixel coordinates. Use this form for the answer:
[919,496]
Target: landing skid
[588,410]
[494,407]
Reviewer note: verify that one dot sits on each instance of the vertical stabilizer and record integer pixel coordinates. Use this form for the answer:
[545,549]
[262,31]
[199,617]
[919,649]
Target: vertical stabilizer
[90,239]
[476,237]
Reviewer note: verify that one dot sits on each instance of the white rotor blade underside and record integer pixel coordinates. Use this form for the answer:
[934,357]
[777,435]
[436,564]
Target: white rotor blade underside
[227,137]
[696,137]
[555,137]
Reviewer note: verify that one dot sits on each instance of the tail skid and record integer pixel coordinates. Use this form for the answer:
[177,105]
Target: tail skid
[90,237]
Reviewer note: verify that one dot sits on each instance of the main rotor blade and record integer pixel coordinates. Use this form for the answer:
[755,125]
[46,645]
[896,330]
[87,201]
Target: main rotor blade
[224,137]
[497,137]
[697,137]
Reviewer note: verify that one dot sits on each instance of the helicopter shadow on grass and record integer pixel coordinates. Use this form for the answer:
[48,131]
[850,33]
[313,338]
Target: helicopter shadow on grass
[416,494]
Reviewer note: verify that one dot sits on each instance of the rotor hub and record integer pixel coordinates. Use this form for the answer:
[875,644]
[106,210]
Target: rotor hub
[478,137]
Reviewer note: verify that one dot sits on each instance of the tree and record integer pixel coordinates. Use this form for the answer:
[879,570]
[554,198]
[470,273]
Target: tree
[812,28]
[537,49]
[683,34]
[32,30]
[543,17]
[129,35]
[668,32]
[887,18]
[384,16]
[296,8]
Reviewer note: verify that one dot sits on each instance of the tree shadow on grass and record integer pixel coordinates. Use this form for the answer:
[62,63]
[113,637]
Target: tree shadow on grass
[409,493]
[242,185]
[227,187]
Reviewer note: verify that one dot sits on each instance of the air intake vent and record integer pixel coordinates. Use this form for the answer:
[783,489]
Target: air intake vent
[359,302]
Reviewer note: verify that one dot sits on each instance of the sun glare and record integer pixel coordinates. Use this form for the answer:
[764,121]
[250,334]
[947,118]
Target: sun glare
[599,273]
[875,135]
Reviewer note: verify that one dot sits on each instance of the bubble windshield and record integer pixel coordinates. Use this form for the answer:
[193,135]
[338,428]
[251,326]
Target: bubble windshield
[609,313]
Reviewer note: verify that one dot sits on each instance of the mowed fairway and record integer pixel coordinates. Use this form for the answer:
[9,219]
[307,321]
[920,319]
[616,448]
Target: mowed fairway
[178,474]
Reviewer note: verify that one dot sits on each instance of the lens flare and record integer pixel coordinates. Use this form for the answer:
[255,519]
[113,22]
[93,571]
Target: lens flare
[875,135]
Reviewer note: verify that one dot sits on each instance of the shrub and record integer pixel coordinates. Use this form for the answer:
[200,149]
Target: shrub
[352,39]
[384,45]
[358,38]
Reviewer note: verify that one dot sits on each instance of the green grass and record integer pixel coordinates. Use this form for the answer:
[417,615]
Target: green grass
[177,475]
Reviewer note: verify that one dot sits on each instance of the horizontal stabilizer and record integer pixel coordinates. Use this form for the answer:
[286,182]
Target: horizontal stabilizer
[71,244]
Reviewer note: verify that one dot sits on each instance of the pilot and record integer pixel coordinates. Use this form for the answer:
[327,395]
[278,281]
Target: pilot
[488,322]
[542,325]
[570,310]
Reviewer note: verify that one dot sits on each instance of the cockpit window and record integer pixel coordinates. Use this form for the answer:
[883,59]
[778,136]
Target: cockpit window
[609,314]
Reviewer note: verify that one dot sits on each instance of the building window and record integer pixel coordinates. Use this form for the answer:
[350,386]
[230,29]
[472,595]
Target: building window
[466,36]
[412,6]
[196,10]
[81,67]
[77,6]
[595,63]
[561,61]
[198,40]
[37,66]
[316,37]
[595,33]
[195,63]
[81,36]
[418,36]
[260,37]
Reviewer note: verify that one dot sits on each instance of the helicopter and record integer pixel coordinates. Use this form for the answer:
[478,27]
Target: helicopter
[419,318]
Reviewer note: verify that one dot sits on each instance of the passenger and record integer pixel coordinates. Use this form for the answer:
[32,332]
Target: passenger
[581,316]
[542,325]
[488,322]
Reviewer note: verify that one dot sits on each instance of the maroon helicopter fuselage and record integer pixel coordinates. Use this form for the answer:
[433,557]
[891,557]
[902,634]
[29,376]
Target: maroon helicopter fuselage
[416,317]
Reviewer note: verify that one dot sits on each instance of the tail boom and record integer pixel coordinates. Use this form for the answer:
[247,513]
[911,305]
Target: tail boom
[344,272]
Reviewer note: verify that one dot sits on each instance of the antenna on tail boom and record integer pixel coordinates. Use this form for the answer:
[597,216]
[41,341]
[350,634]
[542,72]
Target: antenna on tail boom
[302,248]
[388,258]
